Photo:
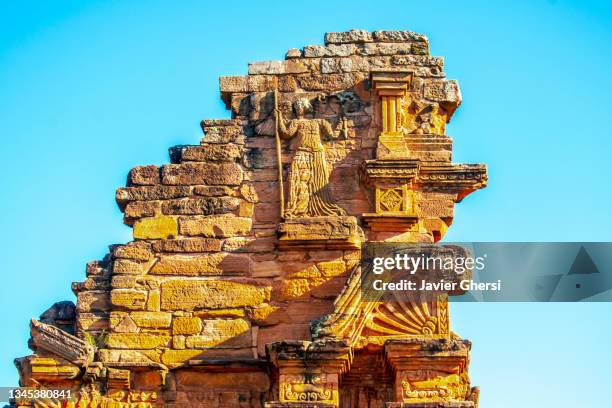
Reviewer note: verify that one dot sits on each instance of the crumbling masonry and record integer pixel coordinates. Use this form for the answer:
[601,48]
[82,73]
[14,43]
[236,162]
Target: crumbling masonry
[235,295]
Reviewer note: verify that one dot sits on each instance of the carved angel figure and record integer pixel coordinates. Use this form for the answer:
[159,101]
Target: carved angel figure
[309,194]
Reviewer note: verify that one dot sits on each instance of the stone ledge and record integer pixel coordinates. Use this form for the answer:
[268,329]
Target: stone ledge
[320,233]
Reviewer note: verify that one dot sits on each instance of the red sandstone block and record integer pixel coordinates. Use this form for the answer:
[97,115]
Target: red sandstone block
[192,173]
[144,176]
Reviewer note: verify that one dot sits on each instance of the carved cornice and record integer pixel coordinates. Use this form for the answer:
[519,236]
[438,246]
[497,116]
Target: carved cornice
[321,353]
[396,170]
[391,82]
[454,177]
[58,342]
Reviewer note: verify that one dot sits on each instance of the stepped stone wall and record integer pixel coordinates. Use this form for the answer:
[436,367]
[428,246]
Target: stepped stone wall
[229,283]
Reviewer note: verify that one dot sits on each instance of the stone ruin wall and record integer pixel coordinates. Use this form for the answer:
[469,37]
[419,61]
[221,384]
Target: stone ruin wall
[181,316]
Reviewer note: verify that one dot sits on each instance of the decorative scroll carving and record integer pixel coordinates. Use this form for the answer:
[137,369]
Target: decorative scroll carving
[432,385]
[309,193]
[309,372]
[60,343]
[306,388]
[429,370]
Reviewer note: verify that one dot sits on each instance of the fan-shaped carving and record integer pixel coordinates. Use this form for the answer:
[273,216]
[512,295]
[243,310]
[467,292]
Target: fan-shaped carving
[366,320]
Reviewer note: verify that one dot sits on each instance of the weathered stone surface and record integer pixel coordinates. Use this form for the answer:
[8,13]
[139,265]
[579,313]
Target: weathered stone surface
[139,209]
[200,206]
[443,91]
[220,313]
[145,193]
[215,191]
[91,301]
[47,369]
[128,298]
[61,315]
[130,267]
[152,320]
[58,342]
[137,341]
[266,269]
[222,333]
[214,134]
[91,283]
[211,153]
[192,173]
[124,281]
[139,251]
[332,269]
[144,176]
[266,67]
[331,82]
[298,288]
[187,245]
[249,381]
[236,244]
[92,322]
[215,226]
[255,83]
[293,66]
[198,265]
[332,50]
[418,60]
[182,315]
[210,294]
[397,36]
[261,158]
[293,53]
[352,36]
[126,325]
[320,232]
[156,227]
[389,49]
[179,357]
[186,325]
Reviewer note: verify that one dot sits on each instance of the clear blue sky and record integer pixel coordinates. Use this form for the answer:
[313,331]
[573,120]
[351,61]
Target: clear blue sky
[89,89]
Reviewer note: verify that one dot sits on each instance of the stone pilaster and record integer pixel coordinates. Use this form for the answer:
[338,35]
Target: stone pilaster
[430,373]
[309,372]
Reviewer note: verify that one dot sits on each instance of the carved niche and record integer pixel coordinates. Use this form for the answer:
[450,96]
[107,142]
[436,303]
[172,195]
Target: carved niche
[310,216]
